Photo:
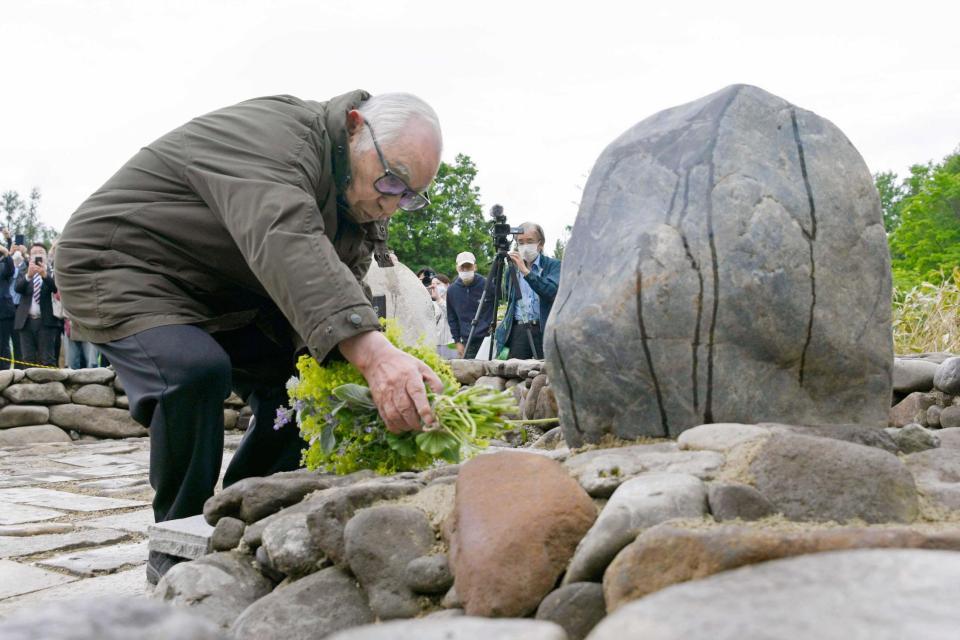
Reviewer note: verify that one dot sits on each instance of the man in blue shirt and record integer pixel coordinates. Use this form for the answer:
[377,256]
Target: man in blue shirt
[463,299]
[538,277]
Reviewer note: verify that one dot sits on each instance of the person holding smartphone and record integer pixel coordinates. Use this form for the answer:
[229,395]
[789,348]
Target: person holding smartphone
[34,321]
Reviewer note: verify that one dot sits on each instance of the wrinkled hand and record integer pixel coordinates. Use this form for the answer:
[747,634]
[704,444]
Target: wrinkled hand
[396,380]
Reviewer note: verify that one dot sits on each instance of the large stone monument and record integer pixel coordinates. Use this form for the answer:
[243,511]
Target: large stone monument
[405,299]
[728,264]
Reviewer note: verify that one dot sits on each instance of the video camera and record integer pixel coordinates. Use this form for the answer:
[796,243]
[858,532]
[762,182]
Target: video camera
[502,230]
[426,276]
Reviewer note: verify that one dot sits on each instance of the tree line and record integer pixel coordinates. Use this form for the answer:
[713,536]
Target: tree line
[22,215]
[921,214]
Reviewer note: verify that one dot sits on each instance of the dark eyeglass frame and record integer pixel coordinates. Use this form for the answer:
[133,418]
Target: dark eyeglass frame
[414,199]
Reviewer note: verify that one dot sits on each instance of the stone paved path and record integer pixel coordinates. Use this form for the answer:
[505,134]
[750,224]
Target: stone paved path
[73,520]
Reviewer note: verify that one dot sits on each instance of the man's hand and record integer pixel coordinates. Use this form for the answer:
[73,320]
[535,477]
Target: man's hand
[32,270]
[395,378]
[461,349]
[519,263]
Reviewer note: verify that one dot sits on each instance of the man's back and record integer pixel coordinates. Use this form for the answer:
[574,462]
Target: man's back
[178,235]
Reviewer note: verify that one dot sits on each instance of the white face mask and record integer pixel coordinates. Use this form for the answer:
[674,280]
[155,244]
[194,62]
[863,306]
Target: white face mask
[466,276]
[17,258]
[528,252]
[441,289]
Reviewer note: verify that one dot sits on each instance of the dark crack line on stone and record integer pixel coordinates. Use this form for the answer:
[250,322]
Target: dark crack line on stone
[566,378]
[569,292]
[811,237]
[695,345]
[673,199]
[644,340]
[708,408]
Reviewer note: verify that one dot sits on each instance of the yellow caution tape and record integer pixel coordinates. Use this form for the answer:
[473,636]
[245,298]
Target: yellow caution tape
[29,364]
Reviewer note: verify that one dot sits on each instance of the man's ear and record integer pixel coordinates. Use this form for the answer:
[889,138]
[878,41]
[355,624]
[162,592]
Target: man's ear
[354,122]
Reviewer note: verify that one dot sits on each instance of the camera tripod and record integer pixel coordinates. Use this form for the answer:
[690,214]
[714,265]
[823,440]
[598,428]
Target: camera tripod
[494,281]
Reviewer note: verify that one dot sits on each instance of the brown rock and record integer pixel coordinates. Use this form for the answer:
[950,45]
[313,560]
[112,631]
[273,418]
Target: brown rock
[932,417]
[733,501]
[821,479]
[536,386]
[950,417]
[546,404]
[667,554]
[516,522]
[911,409]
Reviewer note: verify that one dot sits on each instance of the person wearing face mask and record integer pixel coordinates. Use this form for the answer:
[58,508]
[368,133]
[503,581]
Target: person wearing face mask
[438,293]
[537,278]
[226,247]
[463,299]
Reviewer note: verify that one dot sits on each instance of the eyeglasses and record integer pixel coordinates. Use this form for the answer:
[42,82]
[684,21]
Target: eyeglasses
[390,184]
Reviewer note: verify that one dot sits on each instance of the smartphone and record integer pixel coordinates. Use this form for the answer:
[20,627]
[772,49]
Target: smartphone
[38,260]
[18,239]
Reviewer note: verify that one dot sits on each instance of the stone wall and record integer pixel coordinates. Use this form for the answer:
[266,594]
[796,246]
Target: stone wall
[526,378]
[59,405]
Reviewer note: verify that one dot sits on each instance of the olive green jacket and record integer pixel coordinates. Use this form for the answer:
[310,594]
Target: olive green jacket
[231,219]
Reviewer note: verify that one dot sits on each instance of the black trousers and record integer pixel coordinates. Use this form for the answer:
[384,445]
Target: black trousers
[519,342]
[471,349]
[38,343]
[6,337]
[176,378]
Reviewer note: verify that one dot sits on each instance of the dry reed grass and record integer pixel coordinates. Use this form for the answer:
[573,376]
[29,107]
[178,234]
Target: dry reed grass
[925,318]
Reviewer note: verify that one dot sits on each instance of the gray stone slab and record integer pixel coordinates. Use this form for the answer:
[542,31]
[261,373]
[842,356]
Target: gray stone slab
[129,583]
[17,579]
[186,538]
[13,513]
[45,477]
[134,521]
[91,460]
[114,448]
[35,528]
[124,483]
[113,470]
[16,481]
[64,500]
[12,547]
[102,560]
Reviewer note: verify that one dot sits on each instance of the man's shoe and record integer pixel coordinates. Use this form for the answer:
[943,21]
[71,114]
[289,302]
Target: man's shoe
[158,564]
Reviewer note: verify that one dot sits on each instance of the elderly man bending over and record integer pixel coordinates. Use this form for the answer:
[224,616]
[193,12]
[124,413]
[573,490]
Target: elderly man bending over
[221,248]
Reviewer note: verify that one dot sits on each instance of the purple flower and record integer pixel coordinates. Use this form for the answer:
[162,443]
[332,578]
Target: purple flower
[284,416]
[298,405]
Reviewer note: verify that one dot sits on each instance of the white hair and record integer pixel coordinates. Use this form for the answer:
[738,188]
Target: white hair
[390,114]
[529,227]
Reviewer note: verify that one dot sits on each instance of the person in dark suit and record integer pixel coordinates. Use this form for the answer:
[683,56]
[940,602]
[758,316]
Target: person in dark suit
[35,322]
[8,272]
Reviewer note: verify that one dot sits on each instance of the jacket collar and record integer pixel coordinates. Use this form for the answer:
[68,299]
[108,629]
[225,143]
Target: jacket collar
[335,122]
[336,125]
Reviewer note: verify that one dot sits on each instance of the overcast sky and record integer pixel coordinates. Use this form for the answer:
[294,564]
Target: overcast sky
[532,91]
